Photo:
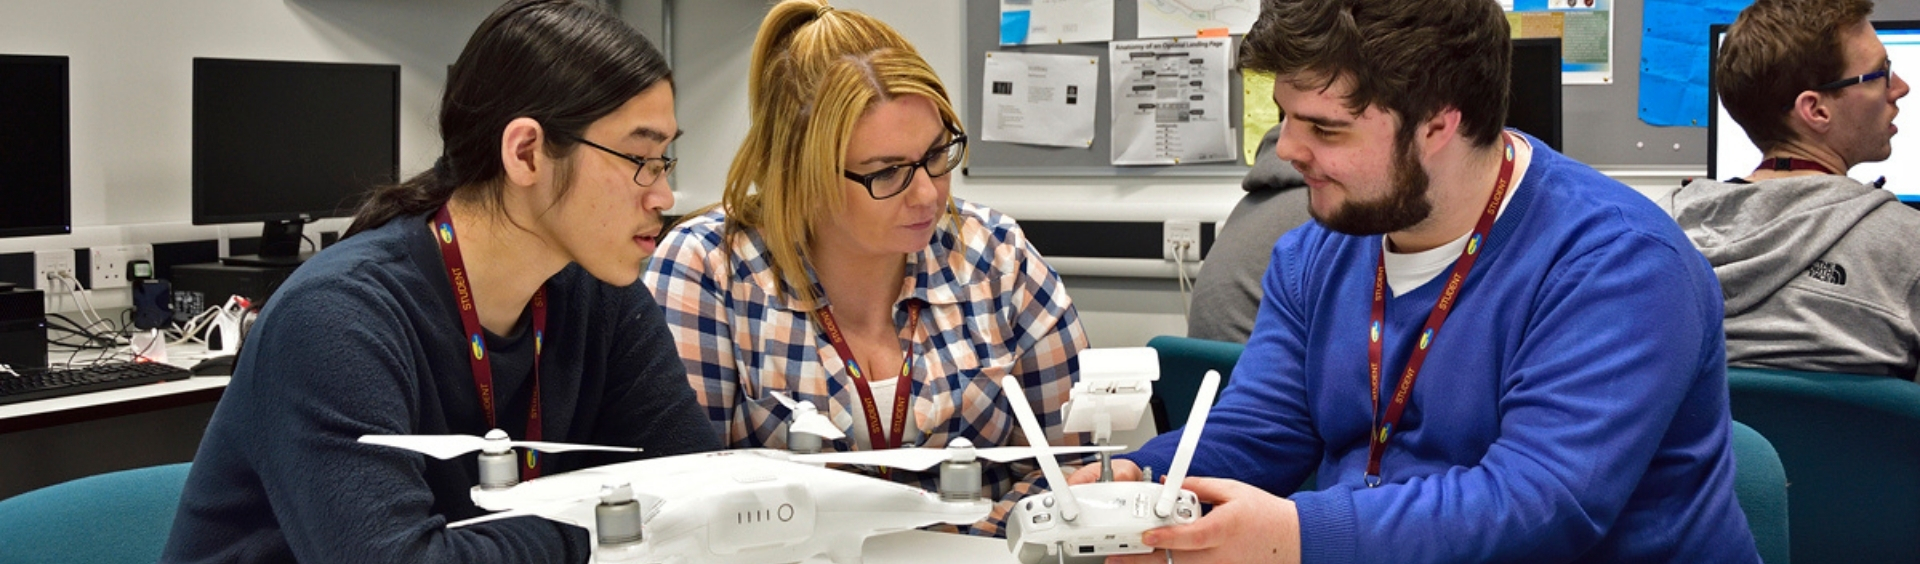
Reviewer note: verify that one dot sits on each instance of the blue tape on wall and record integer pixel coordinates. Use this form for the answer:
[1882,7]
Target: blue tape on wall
[1673,58]
[1014,26]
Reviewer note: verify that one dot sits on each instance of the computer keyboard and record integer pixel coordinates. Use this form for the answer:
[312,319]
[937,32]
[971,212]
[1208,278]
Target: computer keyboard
[50,383]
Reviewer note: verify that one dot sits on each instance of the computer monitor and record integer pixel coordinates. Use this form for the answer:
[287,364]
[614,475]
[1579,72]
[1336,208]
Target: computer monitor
[1533,89]
[286,143]
[1733,155]
[35,154]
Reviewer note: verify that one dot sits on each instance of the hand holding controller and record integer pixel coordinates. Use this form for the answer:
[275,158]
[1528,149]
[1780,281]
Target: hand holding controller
[1105,518]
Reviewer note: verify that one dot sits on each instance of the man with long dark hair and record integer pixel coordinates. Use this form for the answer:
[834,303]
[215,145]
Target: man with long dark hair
[494,291]
[1486,351]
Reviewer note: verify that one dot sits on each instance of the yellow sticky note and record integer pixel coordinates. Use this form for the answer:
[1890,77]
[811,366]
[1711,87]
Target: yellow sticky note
[1258,112]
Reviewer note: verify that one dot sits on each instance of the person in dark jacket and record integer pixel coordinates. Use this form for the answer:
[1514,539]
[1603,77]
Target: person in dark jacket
[494,291]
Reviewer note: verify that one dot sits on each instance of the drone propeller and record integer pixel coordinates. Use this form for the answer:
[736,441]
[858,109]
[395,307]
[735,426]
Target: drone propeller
[961,450]
[1036,436]
[557,510]
[808,419]
[1189,439]
[448,446]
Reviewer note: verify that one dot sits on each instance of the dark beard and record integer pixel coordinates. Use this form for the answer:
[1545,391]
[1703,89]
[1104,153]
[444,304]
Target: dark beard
[1403,208]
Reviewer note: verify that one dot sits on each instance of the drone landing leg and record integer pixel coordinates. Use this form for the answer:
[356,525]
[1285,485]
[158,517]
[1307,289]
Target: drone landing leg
[1106,465]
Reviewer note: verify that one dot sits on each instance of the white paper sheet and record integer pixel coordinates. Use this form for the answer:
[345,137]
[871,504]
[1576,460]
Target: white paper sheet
[1039,99]
[1040,22]
[1170,101]
[1187,18]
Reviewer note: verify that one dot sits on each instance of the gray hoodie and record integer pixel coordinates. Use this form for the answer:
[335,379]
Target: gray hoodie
[1821,273]
[1226,294]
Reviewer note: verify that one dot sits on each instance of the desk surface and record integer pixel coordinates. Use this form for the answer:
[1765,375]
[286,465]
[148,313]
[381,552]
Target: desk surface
[96,405]
[922,547]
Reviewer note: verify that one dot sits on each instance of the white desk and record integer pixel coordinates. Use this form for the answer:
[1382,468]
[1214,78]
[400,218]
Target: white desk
[922,547]
[95,405]
[92,433]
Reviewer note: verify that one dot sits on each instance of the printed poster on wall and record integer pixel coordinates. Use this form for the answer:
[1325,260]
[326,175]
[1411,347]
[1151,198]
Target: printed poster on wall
[1585,29]
[1039,99]
[1042,22]
[1195,18]
[1170,101]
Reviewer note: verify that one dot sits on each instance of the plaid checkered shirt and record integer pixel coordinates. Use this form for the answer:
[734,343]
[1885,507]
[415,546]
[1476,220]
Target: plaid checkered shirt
[992,307]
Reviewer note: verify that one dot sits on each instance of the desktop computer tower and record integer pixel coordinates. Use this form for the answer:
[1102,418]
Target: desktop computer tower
[23,329]
[208,285]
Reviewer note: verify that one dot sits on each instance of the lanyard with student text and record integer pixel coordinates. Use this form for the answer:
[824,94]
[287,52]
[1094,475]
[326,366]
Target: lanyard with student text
[903,392]
[470,320]
[1383,427]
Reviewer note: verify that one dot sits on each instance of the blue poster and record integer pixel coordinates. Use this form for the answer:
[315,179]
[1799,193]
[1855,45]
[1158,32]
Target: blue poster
[1673,58]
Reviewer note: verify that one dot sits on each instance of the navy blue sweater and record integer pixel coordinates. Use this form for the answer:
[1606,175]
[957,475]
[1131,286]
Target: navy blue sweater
[366,339]
[1572,409]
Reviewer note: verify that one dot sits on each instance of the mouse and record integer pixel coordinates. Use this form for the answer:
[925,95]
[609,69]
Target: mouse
[214,366]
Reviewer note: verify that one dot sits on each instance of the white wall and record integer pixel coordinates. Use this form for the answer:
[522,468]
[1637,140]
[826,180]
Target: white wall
[131,71]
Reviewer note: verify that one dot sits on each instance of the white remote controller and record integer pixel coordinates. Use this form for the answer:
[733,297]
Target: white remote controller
[1103,518]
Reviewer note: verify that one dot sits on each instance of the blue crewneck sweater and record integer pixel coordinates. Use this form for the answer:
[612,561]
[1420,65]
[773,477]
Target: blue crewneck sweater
[1572,409]
[365,338]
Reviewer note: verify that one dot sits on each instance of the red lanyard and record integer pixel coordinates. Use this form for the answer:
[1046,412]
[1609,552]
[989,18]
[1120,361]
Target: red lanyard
[902,394]
[1790,163]
[1383,428]
[470,319]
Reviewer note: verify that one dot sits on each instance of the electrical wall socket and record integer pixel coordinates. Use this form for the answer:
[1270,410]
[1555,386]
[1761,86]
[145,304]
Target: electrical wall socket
[109,264]
[50,265]
[1178,233]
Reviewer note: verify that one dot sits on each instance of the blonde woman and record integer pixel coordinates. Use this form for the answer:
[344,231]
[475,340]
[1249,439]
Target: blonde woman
[839,270]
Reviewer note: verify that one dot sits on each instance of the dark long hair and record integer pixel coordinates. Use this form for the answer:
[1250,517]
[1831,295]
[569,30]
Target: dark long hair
[563,63]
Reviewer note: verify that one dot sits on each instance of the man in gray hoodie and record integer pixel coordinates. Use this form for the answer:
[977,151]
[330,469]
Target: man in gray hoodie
[1821,273]
[1227,293]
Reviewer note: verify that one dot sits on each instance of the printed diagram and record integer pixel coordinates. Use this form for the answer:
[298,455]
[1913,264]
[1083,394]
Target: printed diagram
[1170,102]
[1187,18]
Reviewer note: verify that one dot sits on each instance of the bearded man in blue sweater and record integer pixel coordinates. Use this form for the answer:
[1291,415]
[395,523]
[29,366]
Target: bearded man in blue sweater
[1564,335]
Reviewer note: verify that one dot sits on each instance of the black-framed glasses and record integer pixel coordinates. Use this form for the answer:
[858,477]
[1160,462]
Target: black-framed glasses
[1886,70]
[651,170]
[939,160]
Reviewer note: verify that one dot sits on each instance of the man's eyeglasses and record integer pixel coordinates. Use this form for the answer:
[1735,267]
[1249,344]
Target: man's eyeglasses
[1886,70]
[891,181]
[651,169]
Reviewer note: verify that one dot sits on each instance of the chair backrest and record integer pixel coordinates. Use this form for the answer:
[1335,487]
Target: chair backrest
[1760,482]
[113,518]
[1851,448]
[1183,361]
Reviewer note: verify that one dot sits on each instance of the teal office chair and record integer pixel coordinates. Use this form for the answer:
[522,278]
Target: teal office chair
[1183,361]
[114,518]
[1851,445]
[1760,482]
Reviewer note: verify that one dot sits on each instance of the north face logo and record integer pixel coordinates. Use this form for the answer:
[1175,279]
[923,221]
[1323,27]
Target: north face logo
[1831,273]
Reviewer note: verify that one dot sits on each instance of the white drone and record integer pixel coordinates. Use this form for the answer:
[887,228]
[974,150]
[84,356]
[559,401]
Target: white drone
[756,506]
[1106,517]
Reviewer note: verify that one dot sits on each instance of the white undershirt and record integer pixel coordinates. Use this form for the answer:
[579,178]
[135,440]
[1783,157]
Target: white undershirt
[884,392]
[1407,271]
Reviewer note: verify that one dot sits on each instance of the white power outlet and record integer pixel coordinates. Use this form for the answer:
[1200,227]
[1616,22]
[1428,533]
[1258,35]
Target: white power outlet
[110,264]
[49,266]
[1177,235]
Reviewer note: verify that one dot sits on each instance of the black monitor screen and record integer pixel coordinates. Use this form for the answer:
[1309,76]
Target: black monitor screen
[290,141]
[1533,93]
[35,159]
